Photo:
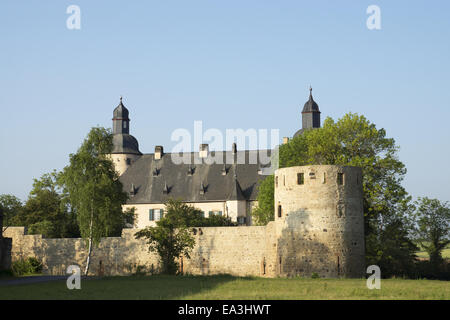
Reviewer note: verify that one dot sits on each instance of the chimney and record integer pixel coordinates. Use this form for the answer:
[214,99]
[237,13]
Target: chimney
[203,150]
[158,152]
[285,140]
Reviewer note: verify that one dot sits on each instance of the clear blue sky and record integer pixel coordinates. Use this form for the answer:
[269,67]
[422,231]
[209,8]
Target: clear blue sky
[231,64]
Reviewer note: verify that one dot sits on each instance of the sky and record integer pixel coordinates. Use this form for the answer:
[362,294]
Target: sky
[230,64]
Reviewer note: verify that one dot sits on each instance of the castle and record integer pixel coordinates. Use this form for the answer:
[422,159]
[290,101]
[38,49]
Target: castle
[318,222]
[215,187]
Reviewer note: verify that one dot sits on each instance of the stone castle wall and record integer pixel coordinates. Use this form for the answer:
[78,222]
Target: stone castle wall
[218,250]
[319,210]
[319,230]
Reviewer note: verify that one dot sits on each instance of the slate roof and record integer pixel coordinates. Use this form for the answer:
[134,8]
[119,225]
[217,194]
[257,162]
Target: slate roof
[120,112]
[149,178]
[299,132]
[310,105]
[125,143]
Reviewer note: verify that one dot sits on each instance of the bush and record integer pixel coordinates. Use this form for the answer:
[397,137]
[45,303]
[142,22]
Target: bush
[26,266]
[426,269]
[315,275]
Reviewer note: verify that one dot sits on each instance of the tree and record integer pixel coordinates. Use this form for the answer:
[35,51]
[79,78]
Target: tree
[264,212]
[45,212]
[395,253]
[11,206]
[171,237]
[94,190]
[129,216]
[433,227]
[354,141]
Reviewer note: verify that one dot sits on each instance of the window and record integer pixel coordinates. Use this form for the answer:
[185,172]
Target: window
[279,211]
[128,161]
[202,214]
[124,124]
[242,220]
[300,178]
[155,214]
[151,215]
[324,177]
[276,182]
[340,178]
[214,213]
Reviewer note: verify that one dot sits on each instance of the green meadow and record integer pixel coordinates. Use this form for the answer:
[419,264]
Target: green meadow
[225,287]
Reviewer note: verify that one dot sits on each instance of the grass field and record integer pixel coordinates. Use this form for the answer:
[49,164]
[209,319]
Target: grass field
[228,287]
[445,253]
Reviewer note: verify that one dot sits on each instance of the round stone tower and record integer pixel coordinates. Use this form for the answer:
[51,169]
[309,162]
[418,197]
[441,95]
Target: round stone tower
[319,221]
[125,147]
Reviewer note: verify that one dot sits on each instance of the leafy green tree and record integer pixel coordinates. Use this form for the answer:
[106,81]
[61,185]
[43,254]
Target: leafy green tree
[354,141]
[433,227]
[45,212]
[171,237]
[94,190]
[130,217]
[395,253]
[264,212]
[11,206]
[46,228]
[215,221]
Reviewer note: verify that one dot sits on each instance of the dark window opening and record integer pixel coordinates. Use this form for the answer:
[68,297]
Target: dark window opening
[264,266]
[279,211]
[300,178]
[340,178]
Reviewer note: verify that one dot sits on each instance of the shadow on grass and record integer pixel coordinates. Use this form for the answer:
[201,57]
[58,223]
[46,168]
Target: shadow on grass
[119,288]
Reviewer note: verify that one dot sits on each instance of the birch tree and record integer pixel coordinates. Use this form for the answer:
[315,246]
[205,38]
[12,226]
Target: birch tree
[94,190]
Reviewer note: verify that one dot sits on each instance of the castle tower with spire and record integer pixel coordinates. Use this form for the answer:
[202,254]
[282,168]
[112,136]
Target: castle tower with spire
[125,147]
[310,115]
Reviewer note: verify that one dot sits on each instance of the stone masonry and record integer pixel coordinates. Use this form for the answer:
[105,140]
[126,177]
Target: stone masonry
[318,228]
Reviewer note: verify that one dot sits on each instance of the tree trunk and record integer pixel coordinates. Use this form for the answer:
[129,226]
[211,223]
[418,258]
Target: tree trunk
[88,261]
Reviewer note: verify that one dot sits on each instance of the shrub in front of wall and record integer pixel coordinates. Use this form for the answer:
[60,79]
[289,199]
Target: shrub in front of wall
[26,266]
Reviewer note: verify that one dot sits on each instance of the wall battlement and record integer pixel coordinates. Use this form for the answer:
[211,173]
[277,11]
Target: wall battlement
[318,228]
